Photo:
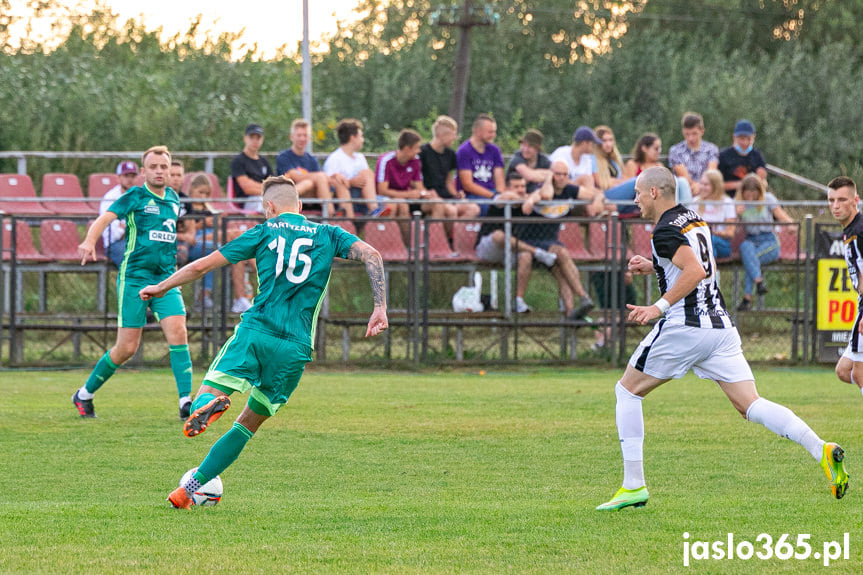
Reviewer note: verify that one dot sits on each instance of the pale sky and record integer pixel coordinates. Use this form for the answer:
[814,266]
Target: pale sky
[269,24]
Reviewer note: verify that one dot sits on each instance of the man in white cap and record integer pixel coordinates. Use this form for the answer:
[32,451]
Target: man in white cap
[114,236]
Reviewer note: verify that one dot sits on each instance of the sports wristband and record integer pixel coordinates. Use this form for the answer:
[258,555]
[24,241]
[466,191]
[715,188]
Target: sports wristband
[662,304]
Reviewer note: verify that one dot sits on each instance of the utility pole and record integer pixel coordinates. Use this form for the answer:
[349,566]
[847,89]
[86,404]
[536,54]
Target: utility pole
[307,74]
[465,21]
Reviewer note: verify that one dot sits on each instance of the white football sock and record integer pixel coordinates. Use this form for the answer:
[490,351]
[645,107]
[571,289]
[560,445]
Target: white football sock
[84,394]
[184,400]
[783,422]
[630,429]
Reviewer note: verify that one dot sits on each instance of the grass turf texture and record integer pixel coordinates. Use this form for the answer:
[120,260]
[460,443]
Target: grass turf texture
[444,472]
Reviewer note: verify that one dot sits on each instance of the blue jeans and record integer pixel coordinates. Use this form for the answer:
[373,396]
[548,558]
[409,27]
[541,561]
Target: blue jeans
[625,192]
[198,250]
[757,250]
[721,246]
[115,251]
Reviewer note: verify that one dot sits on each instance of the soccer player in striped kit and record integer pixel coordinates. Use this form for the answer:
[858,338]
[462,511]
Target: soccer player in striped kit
[696,333]
[843,199]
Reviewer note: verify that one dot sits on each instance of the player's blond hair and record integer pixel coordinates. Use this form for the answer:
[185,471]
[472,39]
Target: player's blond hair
[282,192]
[158,150]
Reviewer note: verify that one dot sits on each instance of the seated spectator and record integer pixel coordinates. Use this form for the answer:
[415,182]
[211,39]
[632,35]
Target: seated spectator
[197,231]
[759,209]
[693,156]
[609,164]
[176,174]
[304,169]
[399,176]
[349,170]
[555,204]
[740,159]
[529,161]
[491,240]
[579,157]
[645,154]
[439,166]
[480,163]
[564,189]
[718,210]
[114,236]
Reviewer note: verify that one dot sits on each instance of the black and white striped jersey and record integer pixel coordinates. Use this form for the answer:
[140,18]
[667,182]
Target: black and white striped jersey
[853,240]
[704,306]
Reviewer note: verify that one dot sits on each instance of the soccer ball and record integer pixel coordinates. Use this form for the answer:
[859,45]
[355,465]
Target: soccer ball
[209,493]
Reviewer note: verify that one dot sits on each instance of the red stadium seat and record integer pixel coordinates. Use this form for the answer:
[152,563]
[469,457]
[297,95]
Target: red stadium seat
[386,237]
[231,207]
[787,236]
[60,239]
[346,225]
[598,236]
[65,186]
[639,238]
[20,186]
[25,250]
[98,185]
[571,235]
[464,239]
[439,249]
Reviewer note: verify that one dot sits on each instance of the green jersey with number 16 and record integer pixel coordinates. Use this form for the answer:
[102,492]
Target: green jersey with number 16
[294,258]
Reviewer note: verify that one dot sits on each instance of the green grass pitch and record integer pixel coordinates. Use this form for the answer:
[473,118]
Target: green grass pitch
[433,472]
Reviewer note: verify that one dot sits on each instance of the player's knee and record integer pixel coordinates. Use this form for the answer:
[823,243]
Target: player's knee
[123,352]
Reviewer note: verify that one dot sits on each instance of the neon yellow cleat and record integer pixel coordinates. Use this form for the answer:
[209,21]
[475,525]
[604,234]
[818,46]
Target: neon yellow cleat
[834,468]
[626,498]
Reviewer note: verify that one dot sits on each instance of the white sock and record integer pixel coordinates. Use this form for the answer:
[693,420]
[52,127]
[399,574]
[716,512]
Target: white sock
[84,394]
[783,422]
[630,429]
[861,390]
[184,400]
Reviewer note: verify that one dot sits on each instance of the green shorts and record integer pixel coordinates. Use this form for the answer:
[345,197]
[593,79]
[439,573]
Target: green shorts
[271,366]
[133,310]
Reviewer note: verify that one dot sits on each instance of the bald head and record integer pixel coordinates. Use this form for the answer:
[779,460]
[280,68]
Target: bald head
[282,193]
[658,177]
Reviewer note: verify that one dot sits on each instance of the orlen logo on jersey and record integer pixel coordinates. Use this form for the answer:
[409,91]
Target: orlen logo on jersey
[160,236]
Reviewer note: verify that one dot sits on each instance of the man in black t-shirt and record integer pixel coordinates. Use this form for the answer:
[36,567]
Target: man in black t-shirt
[249,169]
[439,168]
[740,159]
[529,161]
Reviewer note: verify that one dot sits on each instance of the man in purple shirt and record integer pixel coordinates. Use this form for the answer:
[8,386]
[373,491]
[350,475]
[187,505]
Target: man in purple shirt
[480,163]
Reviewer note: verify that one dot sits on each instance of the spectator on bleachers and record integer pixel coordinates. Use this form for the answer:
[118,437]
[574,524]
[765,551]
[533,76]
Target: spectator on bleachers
[645,154]
[439,166]
[249,169]
[175,182]
[398,175]
[480,163]
[544,236]
[718,210]
[197,233]
[579,157]
[741,158]
[348,169]
[693,156]
[304,169]
[759,209]
[491,239]
[564,189]
[529,161]
[114,236]
[609,163]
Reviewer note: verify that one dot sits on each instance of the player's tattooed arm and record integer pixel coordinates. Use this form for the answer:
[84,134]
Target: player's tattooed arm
[361,251]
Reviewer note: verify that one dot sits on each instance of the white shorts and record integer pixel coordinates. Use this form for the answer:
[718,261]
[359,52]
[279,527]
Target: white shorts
[488,251]
[671,350]
[852,355]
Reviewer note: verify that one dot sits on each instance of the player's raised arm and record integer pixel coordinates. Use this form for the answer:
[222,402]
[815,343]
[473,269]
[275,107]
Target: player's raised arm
[87,248]
[361,251]
[188,273]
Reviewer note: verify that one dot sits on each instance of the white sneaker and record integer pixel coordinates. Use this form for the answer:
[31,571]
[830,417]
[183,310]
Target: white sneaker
[544,257]
[521,306]
[241,304]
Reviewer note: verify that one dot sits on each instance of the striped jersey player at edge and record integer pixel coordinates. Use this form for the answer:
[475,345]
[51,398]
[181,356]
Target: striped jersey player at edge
[696,333]
[150,212]
[273,342]
[842,197]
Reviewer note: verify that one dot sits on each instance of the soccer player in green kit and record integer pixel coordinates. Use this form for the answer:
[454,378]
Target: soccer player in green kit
[273,342]
[151,214]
